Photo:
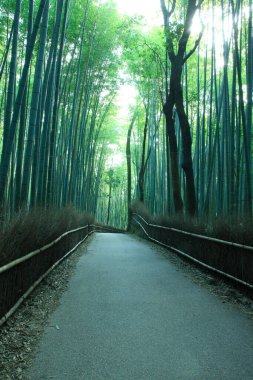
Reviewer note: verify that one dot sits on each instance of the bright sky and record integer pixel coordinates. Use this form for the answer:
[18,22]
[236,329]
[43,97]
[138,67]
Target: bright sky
[150,9]
[126,97]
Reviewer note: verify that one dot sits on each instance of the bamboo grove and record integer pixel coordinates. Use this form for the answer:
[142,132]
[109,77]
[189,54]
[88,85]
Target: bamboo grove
[193,152]
[187,140]
[58,79]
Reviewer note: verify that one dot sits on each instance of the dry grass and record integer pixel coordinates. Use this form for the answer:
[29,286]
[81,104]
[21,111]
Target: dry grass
[28,231]
[139,208]
[234,229]
[229,228]
[234,261]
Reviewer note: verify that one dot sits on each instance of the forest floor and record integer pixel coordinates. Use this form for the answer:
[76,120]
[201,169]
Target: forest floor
[19,337]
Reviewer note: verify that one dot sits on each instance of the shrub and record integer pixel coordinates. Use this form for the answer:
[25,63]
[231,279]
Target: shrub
[28,231]
[229,228]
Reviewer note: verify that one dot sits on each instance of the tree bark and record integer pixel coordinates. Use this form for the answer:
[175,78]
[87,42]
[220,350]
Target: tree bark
[187,165]
[7,149]
[33,119]
[171,135]
[142,168]
[174,98]
[129,172]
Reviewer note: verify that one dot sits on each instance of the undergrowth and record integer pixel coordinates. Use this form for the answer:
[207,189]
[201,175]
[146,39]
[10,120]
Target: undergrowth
[28,231]
[229,228]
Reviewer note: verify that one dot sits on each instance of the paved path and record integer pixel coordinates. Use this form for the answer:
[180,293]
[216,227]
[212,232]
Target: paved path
[129,314]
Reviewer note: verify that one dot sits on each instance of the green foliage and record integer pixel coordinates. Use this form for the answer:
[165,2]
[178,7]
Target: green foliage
[114,50]
[173,33]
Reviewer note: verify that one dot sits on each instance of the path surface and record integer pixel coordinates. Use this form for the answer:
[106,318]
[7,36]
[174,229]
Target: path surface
[129,314]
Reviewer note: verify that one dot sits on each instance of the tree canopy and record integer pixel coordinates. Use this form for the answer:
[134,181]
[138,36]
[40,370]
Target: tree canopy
[79,81]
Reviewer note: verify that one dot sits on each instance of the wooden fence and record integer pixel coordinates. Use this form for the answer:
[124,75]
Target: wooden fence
[229,259]
[19,277]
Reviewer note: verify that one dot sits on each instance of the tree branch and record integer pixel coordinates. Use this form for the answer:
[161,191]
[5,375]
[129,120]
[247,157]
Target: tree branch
[199,4]
[191,11]
[173,8]
[165,13]
[156,54]
[194,48]
[161,96]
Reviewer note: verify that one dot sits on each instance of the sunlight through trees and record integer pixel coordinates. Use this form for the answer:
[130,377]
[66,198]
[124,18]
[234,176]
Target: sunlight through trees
[100,106]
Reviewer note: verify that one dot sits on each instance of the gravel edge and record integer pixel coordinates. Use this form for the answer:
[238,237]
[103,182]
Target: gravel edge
[20,335]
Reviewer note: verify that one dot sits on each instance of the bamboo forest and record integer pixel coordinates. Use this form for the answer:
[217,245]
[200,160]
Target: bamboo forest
[103,106]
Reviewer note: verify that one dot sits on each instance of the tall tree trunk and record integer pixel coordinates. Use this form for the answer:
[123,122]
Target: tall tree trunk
[247,153]
[58,64]
[33,121]
[186,138]
[4,58]
[171,136]
[129,172]
[143,159]
[5,161]
[174,97]
[109,204]
[12,76]
[23,118]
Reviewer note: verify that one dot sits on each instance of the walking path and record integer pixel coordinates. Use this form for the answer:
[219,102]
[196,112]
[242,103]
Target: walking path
[129,313]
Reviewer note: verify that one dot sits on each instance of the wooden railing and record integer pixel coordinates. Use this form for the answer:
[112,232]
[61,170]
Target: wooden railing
[229,259]
[19,277]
